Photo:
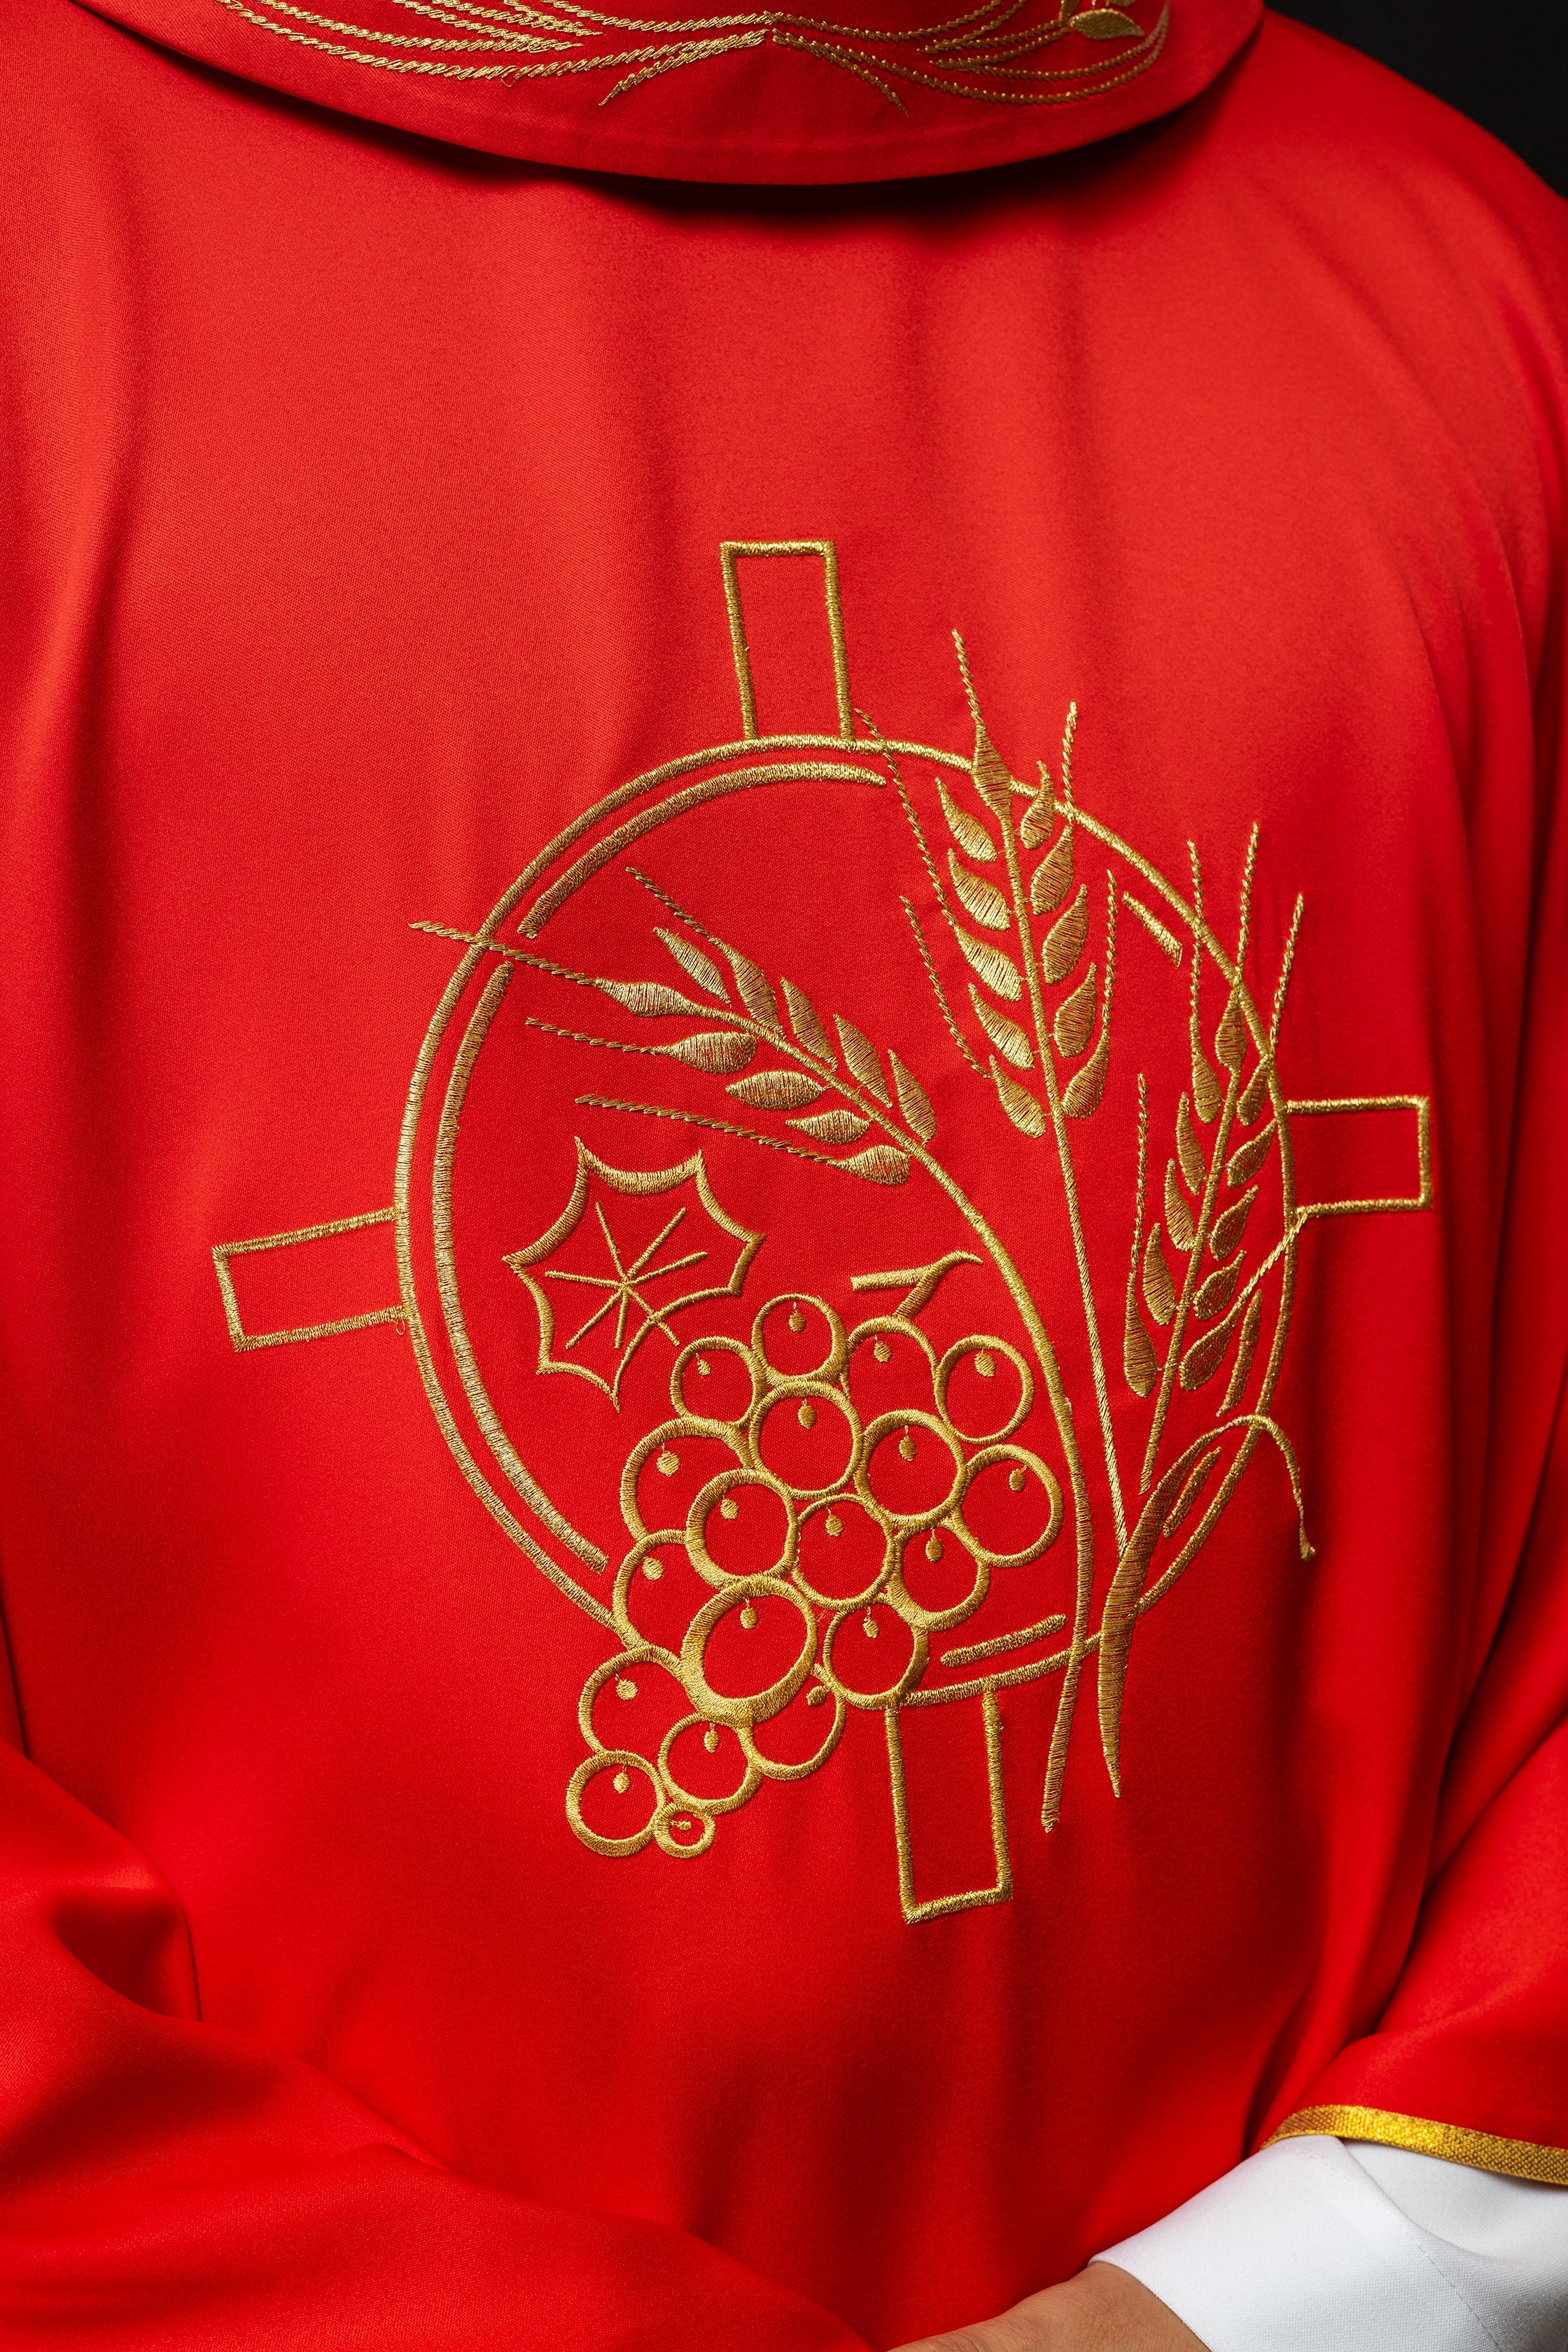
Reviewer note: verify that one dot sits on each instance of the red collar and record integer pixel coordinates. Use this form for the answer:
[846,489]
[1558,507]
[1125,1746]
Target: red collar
[897,90]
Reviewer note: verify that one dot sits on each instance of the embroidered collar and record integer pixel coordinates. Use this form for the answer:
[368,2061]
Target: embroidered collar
[757,96]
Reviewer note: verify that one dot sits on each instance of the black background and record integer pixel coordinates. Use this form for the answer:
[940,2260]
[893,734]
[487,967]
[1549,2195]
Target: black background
[1491,59]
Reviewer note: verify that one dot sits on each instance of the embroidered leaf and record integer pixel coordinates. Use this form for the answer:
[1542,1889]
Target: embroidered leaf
[995,965]
[1205,1356]
[967,831]
[776,1089]
[1106,24]
[1006,1035]
[1189,1151]
[755,994]
[1159,1290]
[1065,940]
[1139,1361]
[913,1099]
[1178,1216]
[1251,1322]
[1053,876]
[1195,1482]
[1080,1100]
[806,1026]
[1228,1229]
[1217,1291]
[832,1127]
[1073,1024]
[691,960]
[992,781]
[720,1050]
[980,900]
[1206,1096]
[1249,1159]
[649,996]
[861,1057]
[1230,1037]
[1254,1094]
[878,1163]
[1018,1103]
[1035,825]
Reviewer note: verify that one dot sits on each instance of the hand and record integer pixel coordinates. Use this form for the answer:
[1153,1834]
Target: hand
[1102,2310]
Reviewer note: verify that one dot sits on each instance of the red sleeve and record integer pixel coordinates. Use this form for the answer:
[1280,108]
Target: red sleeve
[171,2184]
[1469,2059]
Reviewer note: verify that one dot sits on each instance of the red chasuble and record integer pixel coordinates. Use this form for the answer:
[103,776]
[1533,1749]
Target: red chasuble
[784,1293]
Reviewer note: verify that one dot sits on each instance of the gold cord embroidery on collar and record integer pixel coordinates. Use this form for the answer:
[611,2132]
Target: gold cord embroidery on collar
[969,57]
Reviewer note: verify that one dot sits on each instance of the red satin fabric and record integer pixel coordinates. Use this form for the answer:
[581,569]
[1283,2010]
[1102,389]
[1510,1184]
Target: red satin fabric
[363,500]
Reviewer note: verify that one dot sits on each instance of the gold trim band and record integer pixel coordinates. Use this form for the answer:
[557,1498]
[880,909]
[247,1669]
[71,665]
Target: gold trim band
[1522,2159]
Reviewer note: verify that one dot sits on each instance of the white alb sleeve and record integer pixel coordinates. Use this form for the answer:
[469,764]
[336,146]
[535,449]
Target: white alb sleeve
[1316,2246]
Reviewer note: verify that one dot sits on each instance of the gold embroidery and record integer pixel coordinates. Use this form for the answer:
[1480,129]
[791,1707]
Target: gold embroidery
[1522,2159]
[921,1281]
[742,779]
[624,1289]
[938,991]
[1058,957]
[1204,1288]
[862,1088]
[1421,1198]
[944,1906]
[1000,1642]
[1207,1230]
[733,551]
[243,1339]
[474,1388]
[874,1172]
[1166,938]
[547,38]
[825,1391]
